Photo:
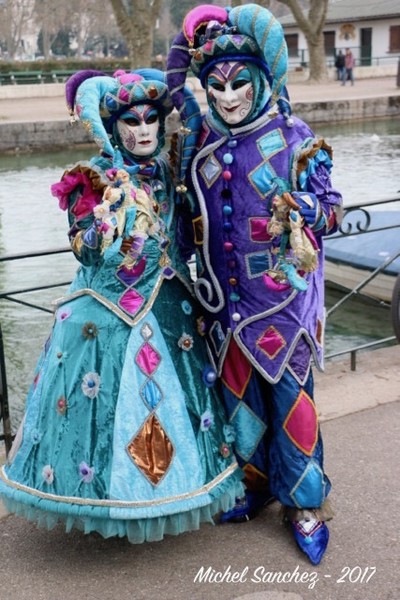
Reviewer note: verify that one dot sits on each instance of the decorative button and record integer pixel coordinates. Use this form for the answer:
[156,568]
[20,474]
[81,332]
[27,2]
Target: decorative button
[232,143]
[236,316]
[228,158]
[226,194]
[228,246]
[227,226]
[232,280]
[234,297]
[227,210]
[227,175]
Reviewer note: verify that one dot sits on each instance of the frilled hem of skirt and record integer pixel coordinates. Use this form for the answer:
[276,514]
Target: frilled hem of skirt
[48,513]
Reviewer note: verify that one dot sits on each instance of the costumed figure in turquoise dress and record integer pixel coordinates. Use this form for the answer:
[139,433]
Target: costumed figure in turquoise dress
[124,433]
[264,202]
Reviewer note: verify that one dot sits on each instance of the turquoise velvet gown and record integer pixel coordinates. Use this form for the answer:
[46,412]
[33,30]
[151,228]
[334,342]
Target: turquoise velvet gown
[124,432]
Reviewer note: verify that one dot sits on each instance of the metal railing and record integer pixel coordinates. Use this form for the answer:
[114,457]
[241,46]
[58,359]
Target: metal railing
[359,227]
[363,224]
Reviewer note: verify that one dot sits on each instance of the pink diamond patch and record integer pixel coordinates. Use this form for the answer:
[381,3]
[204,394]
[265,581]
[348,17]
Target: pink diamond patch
[237,370]
[258,229]
[301,424]
[148,359]
[271,342]
[131,301]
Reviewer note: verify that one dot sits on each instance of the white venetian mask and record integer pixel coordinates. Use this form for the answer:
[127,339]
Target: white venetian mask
[230,89]
[138,129]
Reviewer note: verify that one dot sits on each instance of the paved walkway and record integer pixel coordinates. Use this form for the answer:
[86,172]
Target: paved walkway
[50,108]
[360,424]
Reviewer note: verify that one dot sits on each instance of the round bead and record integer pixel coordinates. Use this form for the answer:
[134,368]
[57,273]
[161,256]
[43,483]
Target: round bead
[231,263]
[226,194]
[227,175]
[232,280]
[152,91]
[232,143]
[59,354]
[91,383]
[227,210]
[227,226]
[211,376]
[236,317]
[228,158]
[234,297]
[228,246]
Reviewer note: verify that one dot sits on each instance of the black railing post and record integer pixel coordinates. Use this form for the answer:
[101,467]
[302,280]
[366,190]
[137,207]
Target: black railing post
[5,410]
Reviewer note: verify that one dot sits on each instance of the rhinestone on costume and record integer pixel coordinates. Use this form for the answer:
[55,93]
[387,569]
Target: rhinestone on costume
[227,210]
[232,143]
[227,226]
[236,317]
[228,246]
[146,332]
[62,405]
[227,175]
[234,297]
[152,91]
[201,325]
[185,342]
[225,450]
[232,281]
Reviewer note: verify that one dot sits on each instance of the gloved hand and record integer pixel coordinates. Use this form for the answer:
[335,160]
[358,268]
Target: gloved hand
[309,207]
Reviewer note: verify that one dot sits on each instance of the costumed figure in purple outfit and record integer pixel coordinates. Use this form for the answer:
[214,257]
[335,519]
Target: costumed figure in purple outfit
[264,201]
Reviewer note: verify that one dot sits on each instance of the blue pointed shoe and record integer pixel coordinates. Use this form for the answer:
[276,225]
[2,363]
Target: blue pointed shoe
[312,537]
[247,508]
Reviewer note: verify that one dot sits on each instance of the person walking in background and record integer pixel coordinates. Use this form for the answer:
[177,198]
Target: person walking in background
[339,64]
[349,63]
[264,202]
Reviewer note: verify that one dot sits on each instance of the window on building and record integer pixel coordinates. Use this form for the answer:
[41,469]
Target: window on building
[394,38]
[329,43]
[292,41]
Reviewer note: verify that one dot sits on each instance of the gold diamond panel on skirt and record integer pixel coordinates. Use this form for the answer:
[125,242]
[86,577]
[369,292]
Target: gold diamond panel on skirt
[151,450]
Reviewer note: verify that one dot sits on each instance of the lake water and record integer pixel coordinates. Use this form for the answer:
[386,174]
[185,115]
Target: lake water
[366,159]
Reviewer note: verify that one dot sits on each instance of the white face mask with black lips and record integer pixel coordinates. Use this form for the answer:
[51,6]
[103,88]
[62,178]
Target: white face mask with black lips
[138,130]
[230,89]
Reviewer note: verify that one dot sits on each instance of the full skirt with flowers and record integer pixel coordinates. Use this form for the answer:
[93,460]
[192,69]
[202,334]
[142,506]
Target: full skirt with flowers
[124,432]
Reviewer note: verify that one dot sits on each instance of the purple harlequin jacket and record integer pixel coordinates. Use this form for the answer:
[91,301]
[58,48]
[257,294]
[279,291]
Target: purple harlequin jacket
[234,177]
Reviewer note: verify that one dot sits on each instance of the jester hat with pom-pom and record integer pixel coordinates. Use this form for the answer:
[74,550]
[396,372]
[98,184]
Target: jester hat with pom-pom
[212,34]
[99,100]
